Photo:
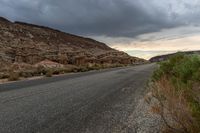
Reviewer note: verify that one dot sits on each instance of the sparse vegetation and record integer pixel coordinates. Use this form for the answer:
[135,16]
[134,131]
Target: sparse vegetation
[4,75]
[40,70]
[31,71]
[13,76]
[49,73]
[176,87]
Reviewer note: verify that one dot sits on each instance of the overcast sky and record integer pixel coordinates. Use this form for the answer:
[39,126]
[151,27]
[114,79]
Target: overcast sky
[142,28]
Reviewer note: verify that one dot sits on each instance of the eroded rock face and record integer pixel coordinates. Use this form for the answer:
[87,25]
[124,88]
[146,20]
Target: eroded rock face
[31,44]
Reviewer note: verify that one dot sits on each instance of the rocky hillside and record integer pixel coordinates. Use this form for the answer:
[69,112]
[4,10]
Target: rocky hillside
[28,50]
[27,43]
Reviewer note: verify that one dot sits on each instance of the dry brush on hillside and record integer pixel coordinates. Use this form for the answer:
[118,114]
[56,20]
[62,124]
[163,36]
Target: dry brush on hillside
[176,87]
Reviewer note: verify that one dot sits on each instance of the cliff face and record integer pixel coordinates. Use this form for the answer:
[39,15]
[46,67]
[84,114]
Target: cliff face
[27,43]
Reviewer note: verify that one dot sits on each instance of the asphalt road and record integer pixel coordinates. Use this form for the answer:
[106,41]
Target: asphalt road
[91,102]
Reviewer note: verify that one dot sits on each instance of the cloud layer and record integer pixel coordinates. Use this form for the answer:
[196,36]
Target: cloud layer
[114,18]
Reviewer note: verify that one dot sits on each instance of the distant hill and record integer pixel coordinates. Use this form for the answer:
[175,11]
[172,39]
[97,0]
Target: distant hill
[165,57]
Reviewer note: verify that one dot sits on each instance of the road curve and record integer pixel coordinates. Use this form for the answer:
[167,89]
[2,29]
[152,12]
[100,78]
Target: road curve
[91,102]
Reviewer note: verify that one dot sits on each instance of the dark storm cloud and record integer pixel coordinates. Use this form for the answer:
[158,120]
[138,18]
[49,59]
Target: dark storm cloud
[115,18]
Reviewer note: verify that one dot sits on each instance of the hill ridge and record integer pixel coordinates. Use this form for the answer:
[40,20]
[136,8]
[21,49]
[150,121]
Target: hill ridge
[167,56]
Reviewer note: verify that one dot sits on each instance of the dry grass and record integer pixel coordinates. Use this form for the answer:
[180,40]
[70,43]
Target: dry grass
[49,73]
[176,87]
[16,71]
[13,76]
[173,108]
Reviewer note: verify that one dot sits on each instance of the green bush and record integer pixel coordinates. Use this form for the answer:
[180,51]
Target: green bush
[185,68]
[183,72]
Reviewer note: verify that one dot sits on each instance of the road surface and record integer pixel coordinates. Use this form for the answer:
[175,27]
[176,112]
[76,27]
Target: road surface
[91,102]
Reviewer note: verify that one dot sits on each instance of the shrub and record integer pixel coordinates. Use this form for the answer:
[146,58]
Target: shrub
[13,76]
[49,73]
[4,75]
[176,87]
[41,70]
[26,74]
